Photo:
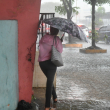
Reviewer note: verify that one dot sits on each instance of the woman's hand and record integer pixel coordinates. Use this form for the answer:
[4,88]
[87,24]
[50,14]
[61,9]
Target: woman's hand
[61,39]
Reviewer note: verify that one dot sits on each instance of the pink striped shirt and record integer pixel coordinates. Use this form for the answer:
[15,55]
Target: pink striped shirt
[45,46]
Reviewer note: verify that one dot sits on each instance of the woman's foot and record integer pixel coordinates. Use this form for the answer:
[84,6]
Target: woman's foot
[55,100]
[50,109]
[55,103]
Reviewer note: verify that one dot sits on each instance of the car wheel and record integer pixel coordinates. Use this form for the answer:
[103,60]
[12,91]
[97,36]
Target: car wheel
[106,41]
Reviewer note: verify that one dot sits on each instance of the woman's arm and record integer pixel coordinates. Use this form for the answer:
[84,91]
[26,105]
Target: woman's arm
[61,39]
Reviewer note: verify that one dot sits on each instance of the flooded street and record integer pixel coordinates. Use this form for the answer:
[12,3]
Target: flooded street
[83,83]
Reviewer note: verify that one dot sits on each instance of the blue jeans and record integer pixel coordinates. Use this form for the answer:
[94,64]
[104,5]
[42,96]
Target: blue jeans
[49,69]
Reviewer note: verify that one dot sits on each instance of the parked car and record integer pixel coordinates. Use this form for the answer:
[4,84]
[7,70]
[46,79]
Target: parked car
[104,34]
[44,27]
[85,29]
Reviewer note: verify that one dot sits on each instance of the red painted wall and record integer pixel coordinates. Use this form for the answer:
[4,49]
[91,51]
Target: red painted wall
[27,14]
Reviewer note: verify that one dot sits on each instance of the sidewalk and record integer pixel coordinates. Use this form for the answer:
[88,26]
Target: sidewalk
[39,94]
[68,104]
[83,83]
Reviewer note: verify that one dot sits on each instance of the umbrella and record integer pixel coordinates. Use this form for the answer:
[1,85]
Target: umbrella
[66,25]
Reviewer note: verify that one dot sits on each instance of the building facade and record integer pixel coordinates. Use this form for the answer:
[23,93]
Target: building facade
[18,33]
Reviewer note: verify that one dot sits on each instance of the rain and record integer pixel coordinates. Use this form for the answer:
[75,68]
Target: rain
[83,83]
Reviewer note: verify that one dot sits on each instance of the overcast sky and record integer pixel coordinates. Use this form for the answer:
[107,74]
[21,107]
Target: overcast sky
[80,3]
[85,9]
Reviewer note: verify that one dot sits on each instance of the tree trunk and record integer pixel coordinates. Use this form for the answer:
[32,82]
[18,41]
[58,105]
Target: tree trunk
[70,38]
[93,23]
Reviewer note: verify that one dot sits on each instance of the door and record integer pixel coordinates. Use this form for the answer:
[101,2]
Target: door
[8,64]
[102,33]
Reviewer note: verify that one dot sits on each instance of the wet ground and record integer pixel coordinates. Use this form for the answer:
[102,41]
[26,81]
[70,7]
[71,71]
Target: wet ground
[83,83]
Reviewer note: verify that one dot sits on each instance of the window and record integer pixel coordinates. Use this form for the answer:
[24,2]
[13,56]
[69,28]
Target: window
[108,28]
[103,28]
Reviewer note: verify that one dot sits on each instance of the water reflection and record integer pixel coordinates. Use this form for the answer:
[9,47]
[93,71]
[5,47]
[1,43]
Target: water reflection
[83,82]
[82,105]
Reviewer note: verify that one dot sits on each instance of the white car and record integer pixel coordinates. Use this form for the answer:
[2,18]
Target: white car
[85,29]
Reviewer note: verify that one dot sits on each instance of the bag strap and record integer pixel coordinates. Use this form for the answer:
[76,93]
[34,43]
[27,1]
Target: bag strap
[54,39]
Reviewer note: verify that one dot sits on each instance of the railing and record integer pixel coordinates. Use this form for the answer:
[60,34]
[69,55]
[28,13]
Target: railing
[44,28]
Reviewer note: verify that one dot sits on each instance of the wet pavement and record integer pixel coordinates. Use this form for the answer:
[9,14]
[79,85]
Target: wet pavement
[83,83]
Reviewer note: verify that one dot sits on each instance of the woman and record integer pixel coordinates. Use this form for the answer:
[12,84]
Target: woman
[48,68]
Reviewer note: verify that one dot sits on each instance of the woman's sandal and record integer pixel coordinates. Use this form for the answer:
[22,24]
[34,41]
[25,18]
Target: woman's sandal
[54,101]
[54,104]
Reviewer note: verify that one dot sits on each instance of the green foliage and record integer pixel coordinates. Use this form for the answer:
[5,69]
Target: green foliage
[98,2]
[99,14]
[94,3]
[101,10]
[60,9]
[33,97]
[96,35]
[105,37]
[66,8]
[99,22]
[75,10]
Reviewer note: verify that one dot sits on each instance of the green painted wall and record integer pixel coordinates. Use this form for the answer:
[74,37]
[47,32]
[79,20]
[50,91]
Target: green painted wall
[8,64]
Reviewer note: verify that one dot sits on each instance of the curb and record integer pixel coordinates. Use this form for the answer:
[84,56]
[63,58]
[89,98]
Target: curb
[93,50]
[72,45]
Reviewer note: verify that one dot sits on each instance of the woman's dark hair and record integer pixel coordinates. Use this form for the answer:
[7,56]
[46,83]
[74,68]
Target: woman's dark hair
[53,31]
